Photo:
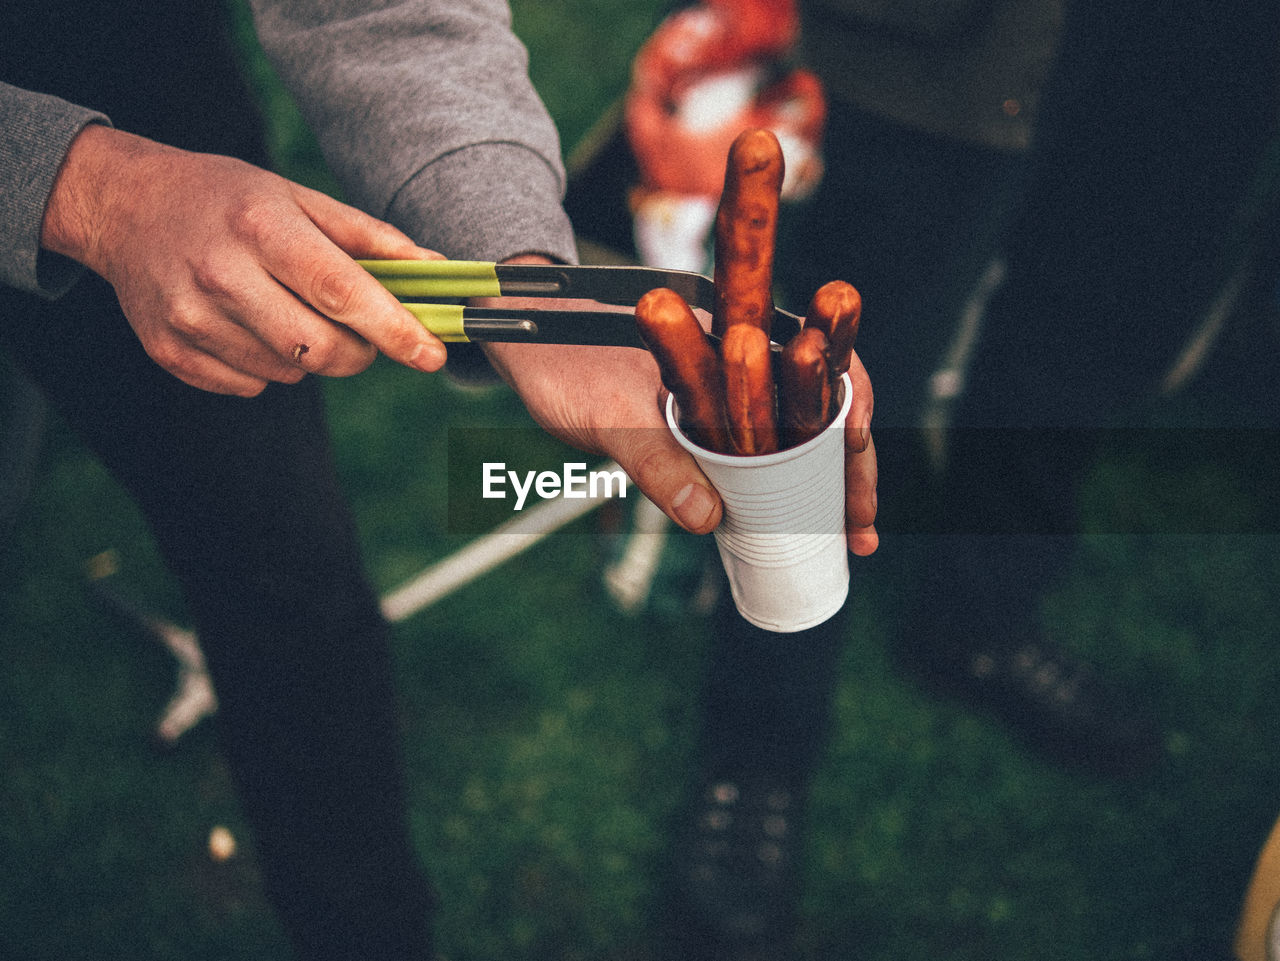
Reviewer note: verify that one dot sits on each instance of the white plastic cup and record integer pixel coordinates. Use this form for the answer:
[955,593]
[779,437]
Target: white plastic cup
[782,539]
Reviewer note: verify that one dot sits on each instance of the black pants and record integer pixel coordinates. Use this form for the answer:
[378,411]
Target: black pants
[243,501]
[244,504]
[1117,232]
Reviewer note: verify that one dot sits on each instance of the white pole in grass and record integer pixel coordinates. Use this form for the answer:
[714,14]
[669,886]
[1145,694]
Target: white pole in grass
[489,551]
[194,698]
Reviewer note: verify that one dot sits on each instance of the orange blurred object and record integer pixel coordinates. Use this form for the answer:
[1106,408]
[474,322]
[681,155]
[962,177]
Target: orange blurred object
[708,72]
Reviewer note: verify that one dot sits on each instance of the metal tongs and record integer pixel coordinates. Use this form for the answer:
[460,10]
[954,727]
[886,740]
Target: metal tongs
[422,285]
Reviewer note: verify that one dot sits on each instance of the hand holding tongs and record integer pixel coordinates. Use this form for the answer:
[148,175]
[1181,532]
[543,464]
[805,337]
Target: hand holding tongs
[420,284]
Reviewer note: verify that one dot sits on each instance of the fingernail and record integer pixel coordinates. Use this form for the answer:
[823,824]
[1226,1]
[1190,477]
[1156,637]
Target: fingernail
[693,505]
[428,358]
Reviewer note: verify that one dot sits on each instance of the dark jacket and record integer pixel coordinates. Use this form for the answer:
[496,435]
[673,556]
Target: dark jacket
[964,69]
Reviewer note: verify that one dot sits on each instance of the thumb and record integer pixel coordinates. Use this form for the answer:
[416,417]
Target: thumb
[669,477]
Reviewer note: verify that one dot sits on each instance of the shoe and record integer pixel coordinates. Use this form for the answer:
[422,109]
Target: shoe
[735,889]
[1054,701]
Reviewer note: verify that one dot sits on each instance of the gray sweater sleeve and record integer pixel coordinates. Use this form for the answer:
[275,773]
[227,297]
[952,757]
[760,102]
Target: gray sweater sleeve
[38,130]
[426,115]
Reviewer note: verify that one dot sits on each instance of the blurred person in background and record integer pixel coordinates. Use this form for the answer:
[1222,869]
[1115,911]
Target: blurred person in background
[1038,206]
[133,149]
[1079,223]
[709,71]
[869,199]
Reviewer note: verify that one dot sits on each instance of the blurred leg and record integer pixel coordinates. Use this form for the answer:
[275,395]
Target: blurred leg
[1153,123]
[244,503]
[765,712]
[766,697]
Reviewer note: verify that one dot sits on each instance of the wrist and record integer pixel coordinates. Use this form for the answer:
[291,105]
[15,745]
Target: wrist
[78,211]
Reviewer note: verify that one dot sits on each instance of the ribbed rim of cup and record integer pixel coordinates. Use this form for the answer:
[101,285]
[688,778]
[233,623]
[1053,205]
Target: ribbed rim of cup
[759,460]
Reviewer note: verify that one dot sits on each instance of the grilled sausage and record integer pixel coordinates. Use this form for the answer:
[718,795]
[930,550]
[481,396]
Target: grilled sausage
[836,309]
[687,363]
[746,224]
[805,389]
[748,390]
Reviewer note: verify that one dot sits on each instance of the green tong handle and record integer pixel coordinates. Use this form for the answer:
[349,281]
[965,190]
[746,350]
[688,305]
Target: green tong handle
[443,320]
[436,278]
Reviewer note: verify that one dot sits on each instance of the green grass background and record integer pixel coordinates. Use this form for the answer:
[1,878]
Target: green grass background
[548,735]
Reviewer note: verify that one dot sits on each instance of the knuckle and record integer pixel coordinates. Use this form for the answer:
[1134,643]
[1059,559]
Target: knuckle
[316,354]
[337,356]
[170,355]
[861,512]
[187,320]
[335,292]
[359,358]
[214,278]
[649,459]
[255,218]
[399,340]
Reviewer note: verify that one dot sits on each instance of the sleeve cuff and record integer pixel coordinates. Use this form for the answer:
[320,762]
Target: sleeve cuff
[39,130]
[510,196]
